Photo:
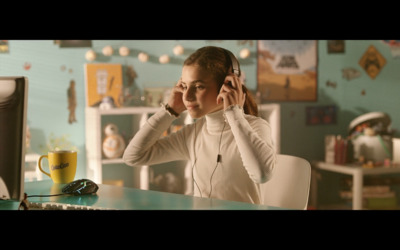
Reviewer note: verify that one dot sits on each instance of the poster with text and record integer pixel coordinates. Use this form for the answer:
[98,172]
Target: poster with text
[103,82]
[287,70]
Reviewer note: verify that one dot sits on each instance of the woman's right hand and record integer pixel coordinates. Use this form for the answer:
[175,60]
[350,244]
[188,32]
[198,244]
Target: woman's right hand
[175,99]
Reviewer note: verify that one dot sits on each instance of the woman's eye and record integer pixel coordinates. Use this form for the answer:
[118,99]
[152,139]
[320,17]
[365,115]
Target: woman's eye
[200,87]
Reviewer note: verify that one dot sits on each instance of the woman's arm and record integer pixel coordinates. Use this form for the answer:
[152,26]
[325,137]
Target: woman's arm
[254,143]
[147,147]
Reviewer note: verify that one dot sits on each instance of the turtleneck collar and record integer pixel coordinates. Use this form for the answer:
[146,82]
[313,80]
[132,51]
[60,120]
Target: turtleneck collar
[215,121]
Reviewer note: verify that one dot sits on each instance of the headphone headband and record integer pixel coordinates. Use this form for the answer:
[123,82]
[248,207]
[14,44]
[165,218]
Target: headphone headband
[234,62]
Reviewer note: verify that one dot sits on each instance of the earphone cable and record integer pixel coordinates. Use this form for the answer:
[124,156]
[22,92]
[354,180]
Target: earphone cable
[195,159]
[218,159]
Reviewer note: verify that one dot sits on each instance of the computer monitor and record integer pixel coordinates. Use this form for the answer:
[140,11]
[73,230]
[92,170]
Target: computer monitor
[13,113]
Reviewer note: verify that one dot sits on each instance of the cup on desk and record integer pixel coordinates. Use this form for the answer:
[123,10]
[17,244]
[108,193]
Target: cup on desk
[62,165]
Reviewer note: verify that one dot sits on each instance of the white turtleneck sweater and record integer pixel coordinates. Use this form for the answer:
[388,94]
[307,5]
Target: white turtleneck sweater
[243,141]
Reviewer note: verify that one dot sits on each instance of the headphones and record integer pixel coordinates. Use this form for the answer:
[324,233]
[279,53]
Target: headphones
[234,62]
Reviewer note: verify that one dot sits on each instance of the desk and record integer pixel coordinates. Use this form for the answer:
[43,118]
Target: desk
[356,171]
[123,198]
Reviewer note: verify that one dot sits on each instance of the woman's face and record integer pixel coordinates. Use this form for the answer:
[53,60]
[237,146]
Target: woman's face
[200,91]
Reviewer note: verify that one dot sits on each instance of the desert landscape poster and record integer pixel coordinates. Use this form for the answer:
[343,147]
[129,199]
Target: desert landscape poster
[287,70]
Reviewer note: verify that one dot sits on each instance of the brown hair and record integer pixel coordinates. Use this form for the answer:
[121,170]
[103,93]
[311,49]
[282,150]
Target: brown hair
[217,61]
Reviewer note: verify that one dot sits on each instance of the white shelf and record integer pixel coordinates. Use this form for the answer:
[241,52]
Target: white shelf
[357,172]
[125,110]
[32,173]
[112,161]
[94,136]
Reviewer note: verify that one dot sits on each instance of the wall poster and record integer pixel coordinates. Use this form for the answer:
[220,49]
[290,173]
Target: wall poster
[372,61]
[287,70]
[4,46]
[103,80]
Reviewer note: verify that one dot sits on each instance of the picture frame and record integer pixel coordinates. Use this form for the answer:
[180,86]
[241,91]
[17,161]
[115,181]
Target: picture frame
[103,80]
[336,46]
[74,43]
[4,48]
[321,115]
[287,70]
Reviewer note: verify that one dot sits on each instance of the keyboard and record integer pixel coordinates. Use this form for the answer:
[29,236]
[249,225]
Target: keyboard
[61,206]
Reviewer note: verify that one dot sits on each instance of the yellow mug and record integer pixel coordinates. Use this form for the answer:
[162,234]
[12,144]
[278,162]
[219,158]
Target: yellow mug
[62,165]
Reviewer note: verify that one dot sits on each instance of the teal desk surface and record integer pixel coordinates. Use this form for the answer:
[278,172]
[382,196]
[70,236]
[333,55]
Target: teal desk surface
[124,198]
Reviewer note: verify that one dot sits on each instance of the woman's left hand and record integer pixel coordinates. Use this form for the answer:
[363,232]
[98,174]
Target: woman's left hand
[231,92]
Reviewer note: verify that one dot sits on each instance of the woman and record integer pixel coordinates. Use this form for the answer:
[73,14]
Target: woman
[229,146]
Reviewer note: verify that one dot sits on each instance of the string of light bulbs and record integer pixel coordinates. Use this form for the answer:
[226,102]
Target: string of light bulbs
[108,50]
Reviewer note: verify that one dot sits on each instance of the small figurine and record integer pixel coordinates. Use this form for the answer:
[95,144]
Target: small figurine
[71,102]
[114,143]
[107,103]
[24,203]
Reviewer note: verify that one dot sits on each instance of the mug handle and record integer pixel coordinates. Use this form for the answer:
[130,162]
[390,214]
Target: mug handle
[40,164]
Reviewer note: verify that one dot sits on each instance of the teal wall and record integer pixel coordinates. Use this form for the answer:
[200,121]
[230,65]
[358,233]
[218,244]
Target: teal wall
[381,94]
[52,69]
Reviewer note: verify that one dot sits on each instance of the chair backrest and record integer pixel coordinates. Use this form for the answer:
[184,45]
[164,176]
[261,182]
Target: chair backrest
[289,186]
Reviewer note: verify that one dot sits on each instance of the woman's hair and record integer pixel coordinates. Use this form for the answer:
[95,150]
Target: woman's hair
[217,61]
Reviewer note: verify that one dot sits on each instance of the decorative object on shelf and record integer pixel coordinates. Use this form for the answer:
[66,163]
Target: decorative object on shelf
[143,57]
[114,143]
[107,103]
[372,61]
[103,80]
[155,96]
[342,150]
[330,141]
[108,50]
[123,51]
[57,143]
[131,94]
[90,55]
[372,137]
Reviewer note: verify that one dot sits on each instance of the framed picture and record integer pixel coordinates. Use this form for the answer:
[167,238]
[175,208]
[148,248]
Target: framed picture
[336,46]
[287,70]
[3,46]
[73,43]
[103,80]
[321,115]
[372,61]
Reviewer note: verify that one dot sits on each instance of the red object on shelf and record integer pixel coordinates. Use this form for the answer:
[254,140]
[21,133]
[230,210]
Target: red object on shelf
[341,150]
